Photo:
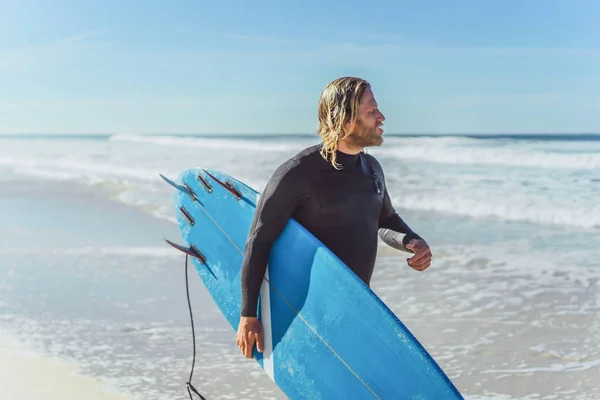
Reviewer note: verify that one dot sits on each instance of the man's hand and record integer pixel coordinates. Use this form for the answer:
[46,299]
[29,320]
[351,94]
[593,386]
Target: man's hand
[250,331]
[422,258]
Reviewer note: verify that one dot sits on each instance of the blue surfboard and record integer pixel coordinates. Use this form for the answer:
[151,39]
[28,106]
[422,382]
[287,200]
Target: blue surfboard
[326,334]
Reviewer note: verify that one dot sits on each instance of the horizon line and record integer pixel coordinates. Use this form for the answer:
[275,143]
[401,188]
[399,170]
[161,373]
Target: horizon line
[458,133]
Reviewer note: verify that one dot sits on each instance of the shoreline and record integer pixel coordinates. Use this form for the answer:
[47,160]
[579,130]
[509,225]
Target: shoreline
[26,374]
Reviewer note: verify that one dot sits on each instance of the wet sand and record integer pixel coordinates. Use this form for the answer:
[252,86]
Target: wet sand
[25,375]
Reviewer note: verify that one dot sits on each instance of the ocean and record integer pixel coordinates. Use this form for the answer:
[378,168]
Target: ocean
[509,308]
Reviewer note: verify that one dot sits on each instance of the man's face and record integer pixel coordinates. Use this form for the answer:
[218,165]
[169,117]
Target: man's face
[367,130]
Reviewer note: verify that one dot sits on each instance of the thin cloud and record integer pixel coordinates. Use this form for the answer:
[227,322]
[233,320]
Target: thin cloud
[253,39]
[407,44]
[541,99]
[526,51]
[35,51]
[384,45]
[262,39]
[79,37]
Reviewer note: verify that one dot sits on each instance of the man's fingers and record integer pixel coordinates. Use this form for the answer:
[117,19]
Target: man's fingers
[421,266]
[250,332]
[249,347]
[259,342]
[417,257]
[247,344]
[420,262]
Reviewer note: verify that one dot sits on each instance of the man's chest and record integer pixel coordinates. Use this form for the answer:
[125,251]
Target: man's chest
[347,195]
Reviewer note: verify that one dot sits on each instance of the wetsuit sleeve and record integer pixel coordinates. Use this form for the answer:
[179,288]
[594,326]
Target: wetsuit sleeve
[389,219]
[282,194]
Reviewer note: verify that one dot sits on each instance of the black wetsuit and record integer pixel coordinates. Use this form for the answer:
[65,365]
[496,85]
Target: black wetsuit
[343,208]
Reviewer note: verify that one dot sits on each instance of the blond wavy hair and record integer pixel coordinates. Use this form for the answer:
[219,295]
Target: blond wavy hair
[338,105]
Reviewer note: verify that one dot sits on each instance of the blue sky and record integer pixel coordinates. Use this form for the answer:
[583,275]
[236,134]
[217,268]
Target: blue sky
[72,66]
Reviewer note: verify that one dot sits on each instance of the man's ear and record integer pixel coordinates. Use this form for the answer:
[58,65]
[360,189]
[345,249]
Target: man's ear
[348,127]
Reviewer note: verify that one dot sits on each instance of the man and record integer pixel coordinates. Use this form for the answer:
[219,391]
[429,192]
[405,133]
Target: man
[335,191]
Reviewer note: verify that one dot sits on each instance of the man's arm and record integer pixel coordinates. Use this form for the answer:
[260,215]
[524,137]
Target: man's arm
[389,219]
[276,205]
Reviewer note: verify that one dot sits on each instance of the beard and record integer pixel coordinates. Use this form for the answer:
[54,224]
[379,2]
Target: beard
[364,136]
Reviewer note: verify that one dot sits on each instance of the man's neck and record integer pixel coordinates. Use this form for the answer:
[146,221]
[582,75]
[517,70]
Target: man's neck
[348,148]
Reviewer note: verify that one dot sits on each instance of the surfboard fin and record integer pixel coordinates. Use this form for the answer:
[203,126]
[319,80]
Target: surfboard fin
[184,188]
[191,251]
[204,182]
[227,185]
[187,215]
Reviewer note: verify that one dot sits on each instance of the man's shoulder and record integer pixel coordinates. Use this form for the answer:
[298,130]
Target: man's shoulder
[374,162]
[307,154]
[303,158]
[293,167]
[371,158]
[377,168]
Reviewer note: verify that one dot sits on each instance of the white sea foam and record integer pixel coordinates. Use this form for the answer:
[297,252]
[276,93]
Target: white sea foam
[463,151]
[75,168]
[209,143]
[554,367]
[527,181]
[92,250]
[505,208]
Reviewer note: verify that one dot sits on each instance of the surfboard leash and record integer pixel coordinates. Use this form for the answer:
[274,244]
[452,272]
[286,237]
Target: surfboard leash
[189,386]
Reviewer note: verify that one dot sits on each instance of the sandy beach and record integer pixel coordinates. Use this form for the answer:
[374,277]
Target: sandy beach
[25,375]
